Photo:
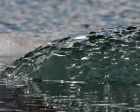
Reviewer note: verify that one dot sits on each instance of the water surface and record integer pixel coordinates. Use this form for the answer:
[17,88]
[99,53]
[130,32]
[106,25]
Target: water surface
[54,20]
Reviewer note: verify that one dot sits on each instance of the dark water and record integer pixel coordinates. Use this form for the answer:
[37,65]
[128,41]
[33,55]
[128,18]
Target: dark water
[58,19]
[70,97]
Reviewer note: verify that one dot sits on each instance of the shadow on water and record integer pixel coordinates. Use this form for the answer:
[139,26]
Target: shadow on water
[56,96]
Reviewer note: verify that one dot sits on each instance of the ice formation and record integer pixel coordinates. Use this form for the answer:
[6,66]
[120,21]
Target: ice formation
[107,55]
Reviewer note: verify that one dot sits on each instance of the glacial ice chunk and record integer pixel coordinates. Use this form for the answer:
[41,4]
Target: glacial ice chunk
[108,55]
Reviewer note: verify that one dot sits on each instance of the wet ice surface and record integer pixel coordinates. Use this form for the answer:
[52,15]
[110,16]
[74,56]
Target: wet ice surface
[55,20]
[108,55]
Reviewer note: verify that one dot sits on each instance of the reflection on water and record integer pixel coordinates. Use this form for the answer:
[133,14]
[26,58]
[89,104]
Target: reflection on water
[53,96]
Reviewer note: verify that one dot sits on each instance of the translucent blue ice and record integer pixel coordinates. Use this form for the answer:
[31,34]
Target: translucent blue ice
[107,55]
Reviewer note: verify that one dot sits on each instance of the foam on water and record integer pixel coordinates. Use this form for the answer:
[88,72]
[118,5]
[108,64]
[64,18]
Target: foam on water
[106,55]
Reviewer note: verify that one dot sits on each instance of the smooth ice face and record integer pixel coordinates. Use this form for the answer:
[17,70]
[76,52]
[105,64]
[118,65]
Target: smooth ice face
[107,55]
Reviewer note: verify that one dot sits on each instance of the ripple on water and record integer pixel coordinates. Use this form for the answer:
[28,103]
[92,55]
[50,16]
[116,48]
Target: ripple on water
[67,96]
